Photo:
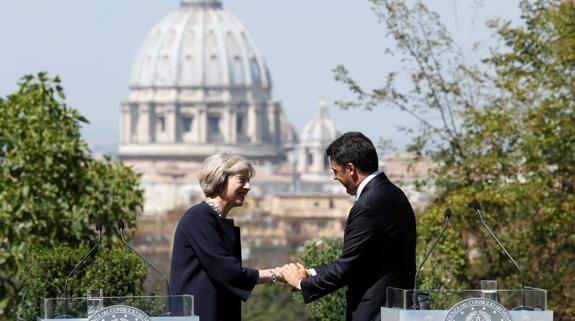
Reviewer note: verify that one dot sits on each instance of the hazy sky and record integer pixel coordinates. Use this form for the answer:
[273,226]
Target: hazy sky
[91,45]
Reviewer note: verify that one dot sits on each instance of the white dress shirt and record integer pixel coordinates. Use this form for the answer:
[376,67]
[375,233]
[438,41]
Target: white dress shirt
[363,183]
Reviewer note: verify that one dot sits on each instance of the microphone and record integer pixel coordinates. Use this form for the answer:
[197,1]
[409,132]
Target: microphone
[121,228]
[82,261]
[475,205]
[421,299]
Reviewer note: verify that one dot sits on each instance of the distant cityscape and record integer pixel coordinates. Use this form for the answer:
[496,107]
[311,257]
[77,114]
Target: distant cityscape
[200,86]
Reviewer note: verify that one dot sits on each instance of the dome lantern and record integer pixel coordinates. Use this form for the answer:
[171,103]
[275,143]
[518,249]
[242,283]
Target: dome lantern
[202,3]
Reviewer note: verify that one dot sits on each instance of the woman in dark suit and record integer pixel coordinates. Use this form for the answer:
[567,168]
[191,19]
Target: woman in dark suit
[206,257]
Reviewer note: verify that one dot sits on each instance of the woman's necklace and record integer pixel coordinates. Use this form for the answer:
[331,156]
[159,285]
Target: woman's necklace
[214,207]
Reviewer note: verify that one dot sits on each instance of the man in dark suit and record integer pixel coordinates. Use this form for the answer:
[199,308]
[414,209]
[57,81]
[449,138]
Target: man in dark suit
[379,237]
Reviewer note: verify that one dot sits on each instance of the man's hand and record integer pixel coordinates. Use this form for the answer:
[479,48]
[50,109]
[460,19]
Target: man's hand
[293,273]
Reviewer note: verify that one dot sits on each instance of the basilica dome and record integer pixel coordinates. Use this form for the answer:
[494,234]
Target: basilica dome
[199,45]
[315,137]
[199,86]
[321,129]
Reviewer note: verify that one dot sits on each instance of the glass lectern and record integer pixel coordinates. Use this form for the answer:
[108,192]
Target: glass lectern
[399,305]
[159,308]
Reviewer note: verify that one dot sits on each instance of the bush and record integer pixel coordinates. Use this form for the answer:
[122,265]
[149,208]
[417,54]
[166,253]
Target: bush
[332,306]
[273,303]
[114,269]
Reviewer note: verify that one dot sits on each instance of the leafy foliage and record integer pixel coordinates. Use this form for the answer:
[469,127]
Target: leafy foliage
[273,303]
[504,137]
[332,306]
[114,269]
[51,188]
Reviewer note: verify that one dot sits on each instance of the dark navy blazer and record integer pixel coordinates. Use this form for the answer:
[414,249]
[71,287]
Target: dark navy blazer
[206,263]
[378,251]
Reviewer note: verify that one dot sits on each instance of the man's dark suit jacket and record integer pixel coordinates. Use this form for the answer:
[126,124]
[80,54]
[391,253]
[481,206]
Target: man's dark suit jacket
[378,251]
[206,262]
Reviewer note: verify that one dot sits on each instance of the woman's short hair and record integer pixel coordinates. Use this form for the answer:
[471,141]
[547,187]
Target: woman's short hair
[218,167]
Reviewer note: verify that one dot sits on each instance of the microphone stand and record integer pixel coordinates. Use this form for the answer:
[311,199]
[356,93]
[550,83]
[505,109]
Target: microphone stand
[424,295]
[82,261]
[475,205]
[121,228]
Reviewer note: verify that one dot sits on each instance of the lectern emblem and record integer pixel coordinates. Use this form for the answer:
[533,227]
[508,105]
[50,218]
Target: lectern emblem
[477,309]
[478,316]
[120,313]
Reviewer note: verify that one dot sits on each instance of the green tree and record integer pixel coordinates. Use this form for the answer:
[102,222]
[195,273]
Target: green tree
[504,137]
[51,189]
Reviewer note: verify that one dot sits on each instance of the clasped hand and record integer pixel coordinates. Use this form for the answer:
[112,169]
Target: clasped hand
[292,274]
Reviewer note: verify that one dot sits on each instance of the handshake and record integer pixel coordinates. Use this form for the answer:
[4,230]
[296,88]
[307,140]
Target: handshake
[291,273]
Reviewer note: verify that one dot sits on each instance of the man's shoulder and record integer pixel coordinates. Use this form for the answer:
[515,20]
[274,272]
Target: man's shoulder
[381,185]
[376,189]
[382,193]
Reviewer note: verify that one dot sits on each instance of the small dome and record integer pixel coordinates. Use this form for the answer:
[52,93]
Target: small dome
[321,130]
[199,45]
